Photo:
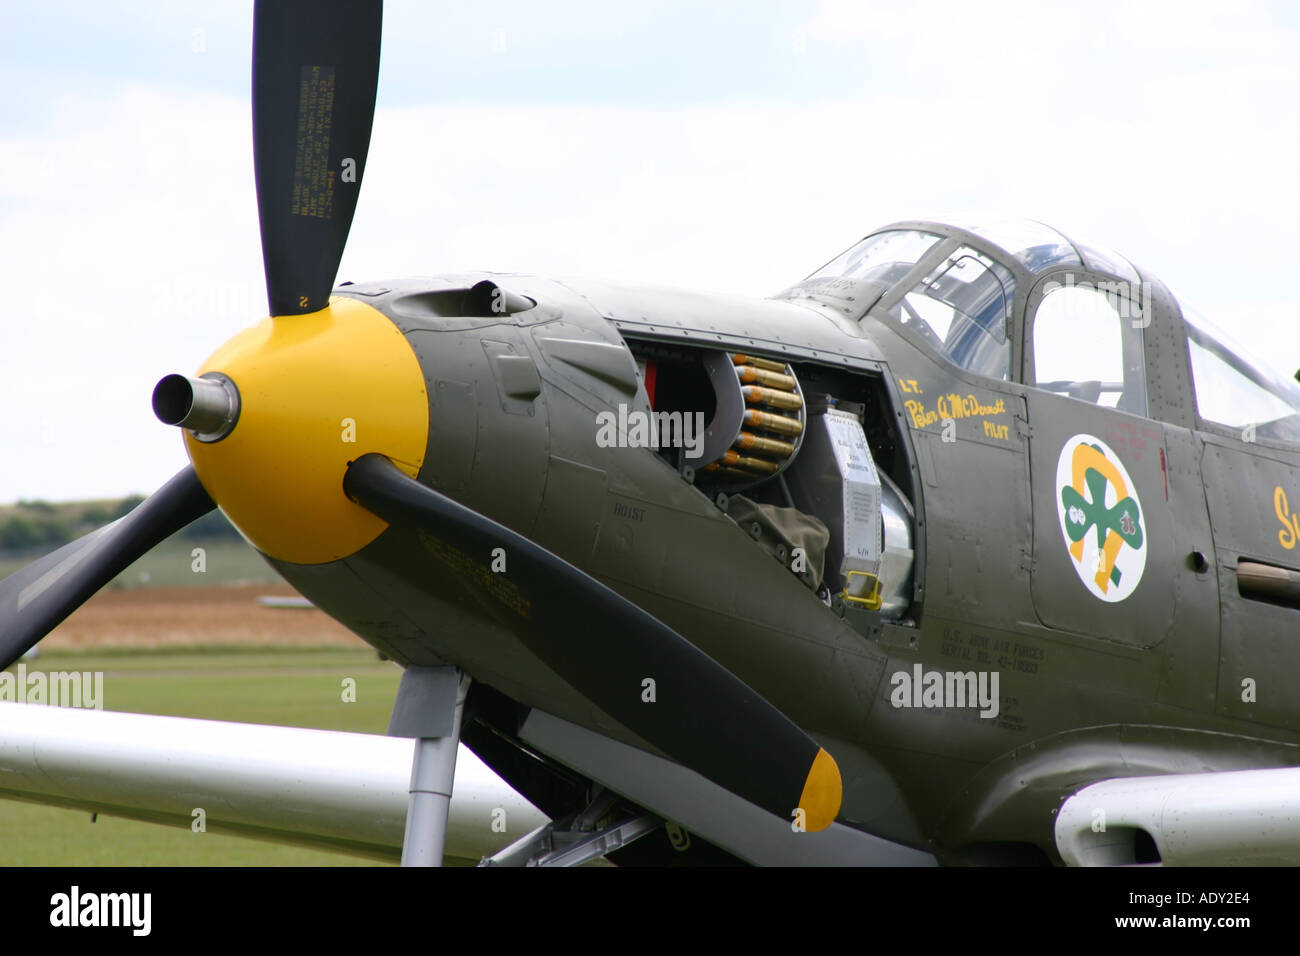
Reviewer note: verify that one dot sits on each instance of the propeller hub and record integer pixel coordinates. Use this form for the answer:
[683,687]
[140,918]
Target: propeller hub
[207,406]
[315,392]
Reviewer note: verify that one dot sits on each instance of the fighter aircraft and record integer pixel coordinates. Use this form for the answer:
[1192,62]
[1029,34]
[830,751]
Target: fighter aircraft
[974,546]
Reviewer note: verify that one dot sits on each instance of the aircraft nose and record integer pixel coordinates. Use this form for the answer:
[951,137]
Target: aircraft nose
[276,414]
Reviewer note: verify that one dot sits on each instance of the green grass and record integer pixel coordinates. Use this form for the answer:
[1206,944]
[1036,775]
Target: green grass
[46,836]
[290,687]
[170,565]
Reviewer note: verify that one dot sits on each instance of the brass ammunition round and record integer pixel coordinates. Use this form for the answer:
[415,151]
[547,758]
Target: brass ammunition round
[736,460]
[758,362]
[763,446]
[758,395]
[761,376]
[781,424]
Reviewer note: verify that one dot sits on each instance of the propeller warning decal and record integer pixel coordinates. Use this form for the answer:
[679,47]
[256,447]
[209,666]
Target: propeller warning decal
[1101,518]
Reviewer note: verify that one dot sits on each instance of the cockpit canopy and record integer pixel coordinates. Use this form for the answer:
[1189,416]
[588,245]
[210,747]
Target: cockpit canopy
[1236,389]
[1082,309]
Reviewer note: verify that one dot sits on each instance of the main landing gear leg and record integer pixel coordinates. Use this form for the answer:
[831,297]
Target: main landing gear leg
[429,704]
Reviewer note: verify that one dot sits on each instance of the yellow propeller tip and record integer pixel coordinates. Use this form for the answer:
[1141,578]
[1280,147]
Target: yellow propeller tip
[823,792]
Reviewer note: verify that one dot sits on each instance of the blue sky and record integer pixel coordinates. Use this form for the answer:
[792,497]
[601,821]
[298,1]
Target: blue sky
[729,146]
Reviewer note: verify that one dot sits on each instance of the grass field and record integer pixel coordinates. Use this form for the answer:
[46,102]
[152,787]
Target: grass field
[171,565]
[298,687]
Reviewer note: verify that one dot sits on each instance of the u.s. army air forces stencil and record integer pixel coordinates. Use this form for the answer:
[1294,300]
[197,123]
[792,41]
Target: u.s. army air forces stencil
[1101,518]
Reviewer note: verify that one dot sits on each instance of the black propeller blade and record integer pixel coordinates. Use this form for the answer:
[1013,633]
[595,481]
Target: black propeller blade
[315,70]
[34,600]
[605,646]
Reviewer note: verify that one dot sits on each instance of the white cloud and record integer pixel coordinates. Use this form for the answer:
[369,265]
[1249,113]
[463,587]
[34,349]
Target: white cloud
[128,226]
[127,216]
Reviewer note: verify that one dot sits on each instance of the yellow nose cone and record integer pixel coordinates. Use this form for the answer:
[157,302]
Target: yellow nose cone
[316,392]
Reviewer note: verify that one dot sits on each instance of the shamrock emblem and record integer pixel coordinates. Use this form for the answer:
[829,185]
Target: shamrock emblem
[1082,515]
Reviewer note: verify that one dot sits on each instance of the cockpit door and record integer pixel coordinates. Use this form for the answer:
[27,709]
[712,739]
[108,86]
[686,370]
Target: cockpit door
[1105,544]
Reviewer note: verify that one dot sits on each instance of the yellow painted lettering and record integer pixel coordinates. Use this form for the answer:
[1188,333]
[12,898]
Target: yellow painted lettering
[1289,533]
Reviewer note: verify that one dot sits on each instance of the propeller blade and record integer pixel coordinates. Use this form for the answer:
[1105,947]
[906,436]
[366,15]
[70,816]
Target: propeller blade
[315,70]
[34,600]
[703,716]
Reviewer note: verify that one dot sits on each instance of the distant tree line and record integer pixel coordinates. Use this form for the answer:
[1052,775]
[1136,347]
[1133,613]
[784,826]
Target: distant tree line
[20,533]
[40,525]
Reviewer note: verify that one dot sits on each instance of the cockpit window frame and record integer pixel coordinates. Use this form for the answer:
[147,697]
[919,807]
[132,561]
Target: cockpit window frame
[955,238]
[1258,434]
[932,289]
[816,273]
[1063,277]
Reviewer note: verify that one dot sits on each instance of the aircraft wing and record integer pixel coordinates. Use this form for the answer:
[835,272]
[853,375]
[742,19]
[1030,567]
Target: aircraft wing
[320,788]
[1233,818]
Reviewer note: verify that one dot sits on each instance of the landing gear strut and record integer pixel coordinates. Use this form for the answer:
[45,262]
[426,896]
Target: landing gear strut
[429,704]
